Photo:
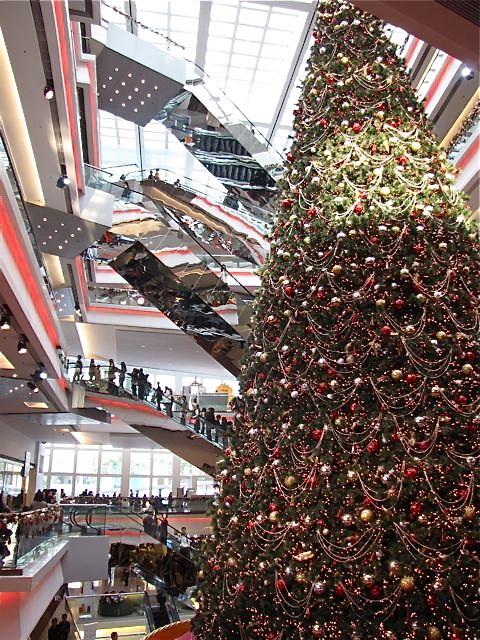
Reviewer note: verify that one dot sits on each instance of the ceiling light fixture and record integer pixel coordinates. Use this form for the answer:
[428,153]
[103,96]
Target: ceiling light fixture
[140,300]
[40,373]
[467,73]
[22,345]
[48,92]
[63,181]
[5,322]
[33,387]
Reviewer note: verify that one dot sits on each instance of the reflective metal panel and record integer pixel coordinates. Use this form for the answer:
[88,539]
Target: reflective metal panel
[166,291]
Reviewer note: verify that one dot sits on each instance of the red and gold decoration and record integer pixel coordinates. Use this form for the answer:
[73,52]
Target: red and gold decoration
[359,412]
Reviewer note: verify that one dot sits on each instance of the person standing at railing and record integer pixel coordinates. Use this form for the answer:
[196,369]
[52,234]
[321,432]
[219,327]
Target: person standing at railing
[158,396]
[91,370]
[183,409]
[142,381]
[134,377]
[122,374]
[168,401]
[156,177]
[97,378]
[63,628]
[112,371]
[150,175]
[77,374]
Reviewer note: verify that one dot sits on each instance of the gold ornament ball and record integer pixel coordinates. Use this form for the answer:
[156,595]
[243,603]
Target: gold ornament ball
[380,303]
[231,562]
[337,270]
[469,513]
[436,391]
[368,580]
[385,191]
[397,374]
[467,369]
[407,584]
[415,146]
[366,515]
[247,472]
[264,357]
[256,471]
[380,115]
[335,302]
[352,233]
[421,298]
[345,60]
[434,633]
[273,516]
[290,482]
[300,577]
[443,246]
[201,575]
[441,335]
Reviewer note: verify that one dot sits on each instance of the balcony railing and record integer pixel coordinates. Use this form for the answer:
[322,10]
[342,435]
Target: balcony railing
[175,408]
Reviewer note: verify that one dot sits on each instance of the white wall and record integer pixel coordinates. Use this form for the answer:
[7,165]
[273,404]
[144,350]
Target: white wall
[13,444]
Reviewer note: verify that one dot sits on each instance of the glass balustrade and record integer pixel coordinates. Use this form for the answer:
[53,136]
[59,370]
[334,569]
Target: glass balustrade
[28,535]
[181,411]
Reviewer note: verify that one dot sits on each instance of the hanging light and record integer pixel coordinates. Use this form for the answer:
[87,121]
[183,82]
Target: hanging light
[49,92]
[22,345]
[467,73]
[63,181]
[33,387]
[40,373]
[5,322]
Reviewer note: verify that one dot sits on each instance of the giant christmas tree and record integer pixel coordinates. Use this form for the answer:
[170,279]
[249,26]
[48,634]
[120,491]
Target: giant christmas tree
[349,496]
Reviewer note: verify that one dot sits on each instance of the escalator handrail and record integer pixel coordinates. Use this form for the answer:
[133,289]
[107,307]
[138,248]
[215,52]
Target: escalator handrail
[204,73]
[187,230]
[170,632]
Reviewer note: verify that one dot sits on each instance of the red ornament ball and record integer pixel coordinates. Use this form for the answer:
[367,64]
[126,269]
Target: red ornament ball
[386,331]
[317,434]
[356,127]
[280,584]
[411,378]
[287,203]
[399,304]
[411,473]
[290,156]
[373,446]
[323,123]
[469,355]
[358,208]
[288,290]
[339,590]
[462,399]
[311,212]
[415,509]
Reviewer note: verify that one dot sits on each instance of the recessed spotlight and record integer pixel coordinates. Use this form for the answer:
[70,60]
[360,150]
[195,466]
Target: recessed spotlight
[109,77]
[129,97]
[123,104]
[44,219]
[15,375]
[48,92]
[116,68]
[60,247]
[129,75]
[103,86]
[117,91]
[62,224]
[63,181]
[467,73]
[5,322]
[110,99]
[22,345]
[136,89]
[149,95]
[135,110]
[72,235]
[142,81]
[155,87]
[142,102]
[122,83]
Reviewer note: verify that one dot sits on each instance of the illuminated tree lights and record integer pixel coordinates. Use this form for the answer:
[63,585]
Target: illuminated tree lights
[348,506]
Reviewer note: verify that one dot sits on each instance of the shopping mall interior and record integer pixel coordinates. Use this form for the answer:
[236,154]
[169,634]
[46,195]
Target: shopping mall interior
[143,149]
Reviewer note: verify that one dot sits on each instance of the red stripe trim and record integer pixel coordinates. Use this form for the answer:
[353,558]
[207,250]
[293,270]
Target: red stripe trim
[62,36]
[92,95]
[447,64]
[470,153]
[136,311]
[125,405]
[30,277]
[411,50]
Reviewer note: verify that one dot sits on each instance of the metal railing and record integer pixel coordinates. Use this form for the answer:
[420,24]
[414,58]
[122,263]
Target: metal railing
[119,383]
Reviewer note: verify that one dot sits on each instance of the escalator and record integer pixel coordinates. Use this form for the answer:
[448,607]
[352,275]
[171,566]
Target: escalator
[182,304]
[179,94]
